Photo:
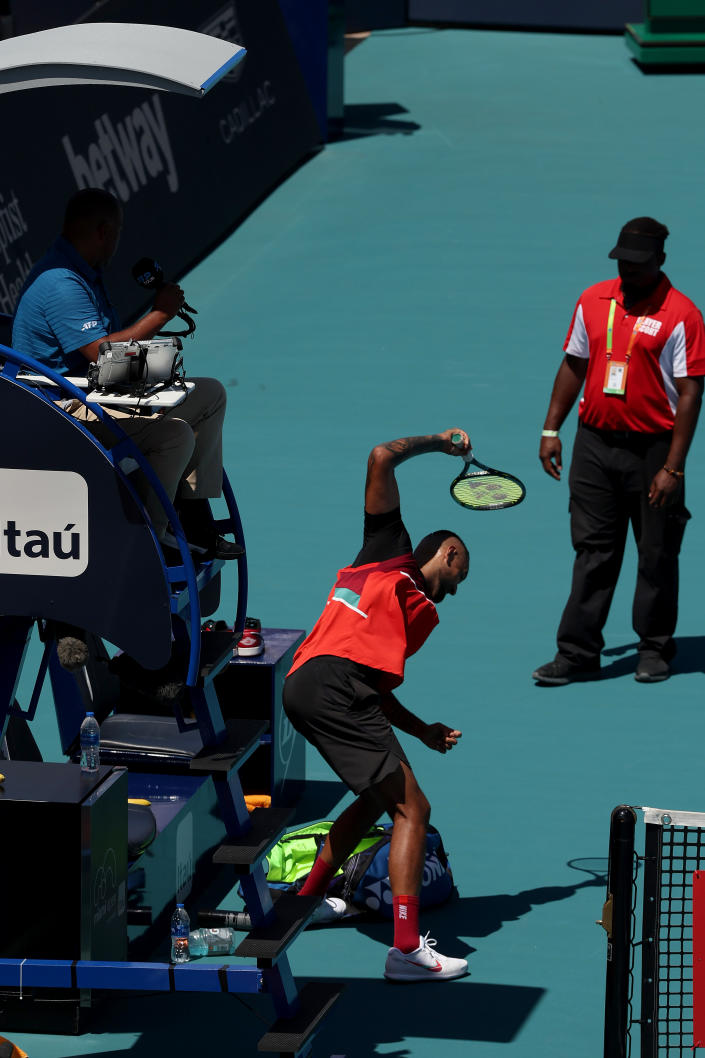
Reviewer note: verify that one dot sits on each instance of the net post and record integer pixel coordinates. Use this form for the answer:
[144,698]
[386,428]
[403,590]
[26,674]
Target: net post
[616,920]
[653,845]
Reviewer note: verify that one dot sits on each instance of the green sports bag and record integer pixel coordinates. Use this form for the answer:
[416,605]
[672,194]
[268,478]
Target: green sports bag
[294,854]
[363,879]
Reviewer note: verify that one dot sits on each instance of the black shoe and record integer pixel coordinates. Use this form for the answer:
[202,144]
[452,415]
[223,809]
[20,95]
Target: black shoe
[225,549]
[652,667]
[199,528]
[219,548]
[561,671]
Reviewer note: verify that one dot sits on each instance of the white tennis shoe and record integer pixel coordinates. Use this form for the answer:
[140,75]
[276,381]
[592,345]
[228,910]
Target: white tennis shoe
[330,909]
[423,964]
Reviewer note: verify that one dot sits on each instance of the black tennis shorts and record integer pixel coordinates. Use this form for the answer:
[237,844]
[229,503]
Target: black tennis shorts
[333,703]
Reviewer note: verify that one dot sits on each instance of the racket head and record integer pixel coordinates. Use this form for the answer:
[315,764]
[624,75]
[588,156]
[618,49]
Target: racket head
[480,488]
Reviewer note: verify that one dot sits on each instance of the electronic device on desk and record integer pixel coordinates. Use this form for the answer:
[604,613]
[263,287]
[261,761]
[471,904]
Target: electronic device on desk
[136,368]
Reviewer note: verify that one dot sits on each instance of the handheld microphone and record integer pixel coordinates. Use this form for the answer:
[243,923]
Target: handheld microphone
[150,275]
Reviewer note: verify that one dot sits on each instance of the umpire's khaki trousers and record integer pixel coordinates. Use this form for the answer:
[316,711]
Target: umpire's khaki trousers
[184,445]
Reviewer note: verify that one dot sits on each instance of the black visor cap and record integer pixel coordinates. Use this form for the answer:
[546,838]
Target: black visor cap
[635,247]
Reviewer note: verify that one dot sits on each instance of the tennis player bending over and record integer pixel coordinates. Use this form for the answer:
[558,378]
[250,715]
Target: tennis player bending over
[338,694]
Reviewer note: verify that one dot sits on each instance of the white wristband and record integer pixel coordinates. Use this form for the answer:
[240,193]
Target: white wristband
[549,433]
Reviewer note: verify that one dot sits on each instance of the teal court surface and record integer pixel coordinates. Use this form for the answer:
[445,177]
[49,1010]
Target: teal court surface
[420,273]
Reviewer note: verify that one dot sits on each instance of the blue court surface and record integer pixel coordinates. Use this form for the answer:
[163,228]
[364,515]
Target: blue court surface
[420,274]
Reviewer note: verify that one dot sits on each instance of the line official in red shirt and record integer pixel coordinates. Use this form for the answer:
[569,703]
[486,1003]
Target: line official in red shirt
[638,346]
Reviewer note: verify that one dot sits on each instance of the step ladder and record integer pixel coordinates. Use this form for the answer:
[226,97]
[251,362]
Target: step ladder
[275,926]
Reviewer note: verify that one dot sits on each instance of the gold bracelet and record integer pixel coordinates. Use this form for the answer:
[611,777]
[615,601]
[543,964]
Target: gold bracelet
[672,472]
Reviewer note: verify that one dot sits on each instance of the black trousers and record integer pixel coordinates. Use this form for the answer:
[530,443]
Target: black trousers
[610,476]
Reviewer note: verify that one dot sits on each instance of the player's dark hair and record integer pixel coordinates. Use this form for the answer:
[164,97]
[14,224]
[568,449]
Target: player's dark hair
[648,226]
[426,548]
[89,207]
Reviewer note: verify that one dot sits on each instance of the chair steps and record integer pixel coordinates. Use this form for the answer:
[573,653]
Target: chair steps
[287,1036]
[245,851]
[243,738]
[217,648]
[291,914]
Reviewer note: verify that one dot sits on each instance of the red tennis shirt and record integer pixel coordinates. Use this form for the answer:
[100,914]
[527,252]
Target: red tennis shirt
[377,615]
[667,338]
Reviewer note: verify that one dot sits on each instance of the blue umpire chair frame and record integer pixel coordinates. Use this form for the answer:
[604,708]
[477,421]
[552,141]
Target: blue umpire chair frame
[89,557]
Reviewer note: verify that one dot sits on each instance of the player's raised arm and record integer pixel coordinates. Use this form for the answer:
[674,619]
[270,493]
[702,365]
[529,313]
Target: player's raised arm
[381,490]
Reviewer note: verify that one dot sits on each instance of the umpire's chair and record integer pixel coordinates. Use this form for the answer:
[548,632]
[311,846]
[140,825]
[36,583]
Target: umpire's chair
[77,547]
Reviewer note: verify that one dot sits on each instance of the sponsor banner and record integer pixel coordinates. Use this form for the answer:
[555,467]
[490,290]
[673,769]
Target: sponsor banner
[592,15]
[186,170]
[44,523]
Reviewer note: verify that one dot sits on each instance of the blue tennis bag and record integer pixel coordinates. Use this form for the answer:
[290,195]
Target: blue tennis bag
[364,877]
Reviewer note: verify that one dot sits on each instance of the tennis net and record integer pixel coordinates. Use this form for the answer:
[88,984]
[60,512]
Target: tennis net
[648,917]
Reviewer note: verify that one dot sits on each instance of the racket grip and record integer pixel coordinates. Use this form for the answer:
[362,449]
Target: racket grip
[457,439]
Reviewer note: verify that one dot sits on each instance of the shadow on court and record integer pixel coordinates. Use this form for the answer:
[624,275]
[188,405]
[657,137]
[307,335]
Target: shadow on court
[481,916]
[375,119]
[187,1024]
[690,657]
[371,1013]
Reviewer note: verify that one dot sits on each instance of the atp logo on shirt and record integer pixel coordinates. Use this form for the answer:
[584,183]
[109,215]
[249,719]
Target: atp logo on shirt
[90,324]
[650,326]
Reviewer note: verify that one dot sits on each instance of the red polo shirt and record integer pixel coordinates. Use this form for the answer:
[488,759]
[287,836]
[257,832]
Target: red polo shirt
[669,343]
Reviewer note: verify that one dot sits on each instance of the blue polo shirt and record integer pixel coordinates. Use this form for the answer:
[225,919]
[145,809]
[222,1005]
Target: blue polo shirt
[63,306]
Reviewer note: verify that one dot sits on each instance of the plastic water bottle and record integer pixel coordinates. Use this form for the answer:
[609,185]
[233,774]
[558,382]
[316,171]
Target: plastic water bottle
[212,941]
[180,924]
[90,745]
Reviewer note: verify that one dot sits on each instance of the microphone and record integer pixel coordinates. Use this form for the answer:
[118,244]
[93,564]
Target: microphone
[150,275]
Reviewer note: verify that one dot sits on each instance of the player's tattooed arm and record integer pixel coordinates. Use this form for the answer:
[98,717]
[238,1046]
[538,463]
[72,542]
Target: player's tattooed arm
[381,489]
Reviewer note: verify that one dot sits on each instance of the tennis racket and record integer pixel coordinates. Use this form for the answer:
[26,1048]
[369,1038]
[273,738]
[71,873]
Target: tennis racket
[479,488]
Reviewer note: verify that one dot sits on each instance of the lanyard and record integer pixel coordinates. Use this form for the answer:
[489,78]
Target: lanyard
[610,327]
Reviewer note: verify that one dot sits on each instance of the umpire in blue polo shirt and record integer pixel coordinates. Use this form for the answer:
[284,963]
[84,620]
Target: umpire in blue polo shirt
[63,315]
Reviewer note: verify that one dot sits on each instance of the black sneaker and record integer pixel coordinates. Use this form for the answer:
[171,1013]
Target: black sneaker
[225,549]
[201,533]
[560,671]
[652,667]
[218,547]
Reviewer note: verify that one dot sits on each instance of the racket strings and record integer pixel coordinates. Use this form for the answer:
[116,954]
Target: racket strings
[487,490]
